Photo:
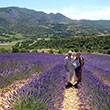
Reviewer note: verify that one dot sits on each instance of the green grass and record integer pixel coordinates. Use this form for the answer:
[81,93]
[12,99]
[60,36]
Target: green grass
[8,45]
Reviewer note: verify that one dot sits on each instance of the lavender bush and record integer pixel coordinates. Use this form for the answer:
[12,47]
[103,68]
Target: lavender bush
[94,91]
[15,66]
[99,64]
[44,92]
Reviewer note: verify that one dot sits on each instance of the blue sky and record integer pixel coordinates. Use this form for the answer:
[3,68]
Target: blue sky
[74,9]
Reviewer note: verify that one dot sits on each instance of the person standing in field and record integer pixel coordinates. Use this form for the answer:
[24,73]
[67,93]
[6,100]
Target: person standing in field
[79,60]
[69,68]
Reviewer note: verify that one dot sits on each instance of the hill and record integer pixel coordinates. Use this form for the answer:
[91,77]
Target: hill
[34,24]
[15,15]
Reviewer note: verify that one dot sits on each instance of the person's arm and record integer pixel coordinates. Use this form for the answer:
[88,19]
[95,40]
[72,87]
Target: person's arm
[65,64]
[82,62]
[74,58]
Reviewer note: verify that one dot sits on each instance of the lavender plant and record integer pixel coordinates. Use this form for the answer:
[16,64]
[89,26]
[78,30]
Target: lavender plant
[94,91]
[15,66]
[99,64]
[44,92]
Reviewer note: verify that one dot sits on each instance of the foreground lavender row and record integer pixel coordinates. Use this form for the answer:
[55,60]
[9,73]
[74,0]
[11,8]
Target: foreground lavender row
[43,93]
[15,66]
[99,64]
[46,91]
[95,91]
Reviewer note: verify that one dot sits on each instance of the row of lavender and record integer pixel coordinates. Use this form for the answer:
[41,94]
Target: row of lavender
[46,89]
[15,66]
[44,92]
[95,92]
[99,64]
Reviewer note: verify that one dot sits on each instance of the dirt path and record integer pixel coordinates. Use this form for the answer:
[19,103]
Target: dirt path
[72,100]
[9,93]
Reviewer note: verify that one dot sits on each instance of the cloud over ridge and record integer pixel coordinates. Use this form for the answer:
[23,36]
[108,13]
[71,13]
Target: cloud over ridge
[83,13]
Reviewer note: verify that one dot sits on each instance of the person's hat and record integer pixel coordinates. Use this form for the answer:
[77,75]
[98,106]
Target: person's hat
[70,52]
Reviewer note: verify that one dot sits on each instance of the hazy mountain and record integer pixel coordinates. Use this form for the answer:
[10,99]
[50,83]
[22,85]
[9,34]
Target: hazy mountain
[59,17]
[17,15]
[26,21]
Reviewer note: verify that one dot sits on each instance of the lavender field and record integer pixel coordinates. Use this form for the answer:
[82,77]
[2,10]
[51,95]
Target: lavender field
[45,91]
[96,82]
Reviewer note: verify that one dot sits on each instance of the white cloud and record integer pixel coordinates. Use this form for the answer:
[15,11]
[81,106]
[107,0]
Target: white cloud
[95,14]
[92,14]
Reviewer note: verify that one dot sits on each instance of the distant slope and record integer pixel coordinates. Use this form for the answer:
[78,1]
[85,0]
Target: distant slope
[100,44]
[26,21]
[22,15]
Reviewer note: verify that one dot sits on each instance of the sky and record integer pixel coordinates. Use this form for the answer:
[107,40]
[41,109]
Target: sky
[74,9]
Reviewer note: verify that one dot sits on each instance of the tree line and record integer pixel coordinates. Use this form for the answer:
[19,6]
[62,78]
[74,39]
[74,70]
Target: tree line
[100,44]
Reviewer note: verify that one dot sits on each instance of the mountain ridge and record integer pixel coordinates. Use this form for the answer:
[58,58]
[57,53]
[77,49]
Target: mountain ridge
[29,21]
[15,14]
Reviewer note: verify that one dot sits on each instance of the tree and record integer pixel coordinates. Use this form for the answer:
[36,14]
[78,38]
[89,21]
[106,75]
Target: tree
[51,51]
[60,51]
[34,50]
[43,51]
[108,52]
[76,50]
[15,49]
[23,50]
[2,50]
